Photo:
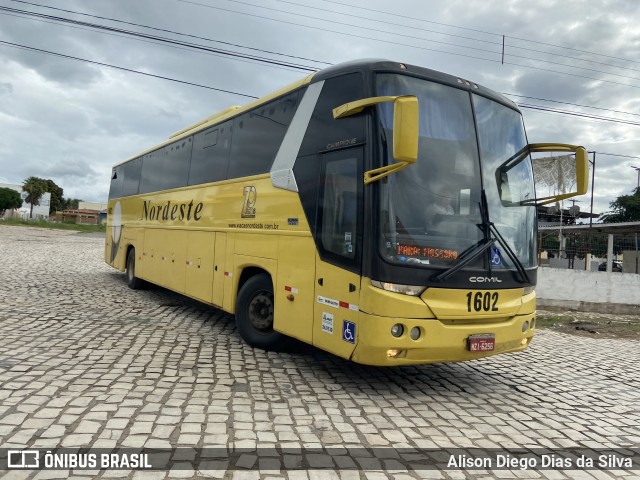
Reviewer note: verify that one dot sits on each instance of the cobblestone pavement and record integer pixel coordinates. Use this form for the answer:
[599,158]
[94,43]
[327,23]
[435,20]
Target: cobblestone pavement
[86,361]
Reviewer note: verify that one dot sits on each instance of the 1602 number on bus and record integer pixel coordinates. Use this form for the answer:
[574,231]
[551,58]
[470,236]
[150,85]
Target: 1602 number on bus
[482,302]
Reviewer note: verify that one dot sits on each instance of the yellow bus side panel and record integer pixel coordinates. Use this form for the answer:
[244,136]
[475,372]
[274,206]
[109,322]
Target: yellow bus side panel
[174,257]
[150,265]
[200,264]
[230,284]
[256,245]
[218,269]
[164,258]
[294,287]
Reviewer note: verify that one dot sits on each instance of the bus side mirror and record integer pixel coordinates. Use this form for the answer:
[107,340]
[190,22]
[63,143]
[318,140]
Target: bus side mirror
[568,173]
[578,170]
[405,130]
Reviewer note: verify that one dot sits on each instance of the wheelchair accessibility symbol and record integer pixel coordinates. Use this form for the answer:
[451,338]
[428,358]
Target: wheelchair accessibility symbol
[496,259]
[348,331]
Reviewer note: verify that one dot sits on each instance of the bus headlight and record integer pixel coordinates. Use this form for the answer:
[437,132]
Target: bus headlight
[412,290]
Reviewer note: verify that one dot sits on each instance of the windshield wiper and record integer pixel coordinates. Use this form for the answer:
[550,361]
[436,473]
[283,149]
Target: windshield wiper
[464,259]
[488,228]
[510,253]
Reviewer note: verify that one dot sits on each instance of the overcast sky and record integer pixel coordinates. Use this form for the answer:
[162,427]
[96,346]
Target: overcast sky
[71,121]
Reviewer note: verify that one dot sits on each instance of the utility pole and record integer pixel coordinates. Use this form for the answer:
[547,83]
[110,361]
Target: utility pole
[587,257]
[638,170]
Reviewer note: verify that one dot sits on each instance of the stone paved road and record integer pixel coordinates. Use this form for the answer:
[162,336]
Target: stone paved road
[85,361]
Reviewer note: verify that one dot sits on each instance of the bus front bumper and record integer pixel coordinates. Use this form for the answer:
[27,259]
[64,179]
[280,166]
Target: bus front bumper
[439,340]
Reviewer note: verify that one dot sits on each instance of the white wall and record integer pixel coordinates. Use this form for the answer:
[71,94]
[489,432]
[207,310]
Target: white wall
[39,211]
[576,288]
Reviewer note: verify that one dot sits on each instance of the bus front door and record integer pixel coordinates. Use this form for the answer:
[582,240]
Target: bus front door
[335,326]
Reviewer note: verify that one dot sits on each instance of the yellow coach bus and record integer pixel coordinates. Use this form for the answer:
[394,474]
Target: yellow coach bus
[380,211]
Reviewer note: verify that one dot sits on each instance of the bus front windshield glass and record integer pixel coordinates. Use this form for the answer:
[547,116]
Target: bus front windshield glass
[430,211]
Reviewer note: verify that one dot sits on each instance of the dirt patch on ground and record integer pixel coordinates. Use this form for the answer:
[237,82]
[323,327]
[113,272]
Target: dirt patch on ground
[594,325]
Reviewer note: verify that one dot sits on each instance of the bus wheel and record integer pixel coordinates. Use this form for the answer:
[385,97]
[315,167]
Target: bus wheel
[254,314]
[132,281]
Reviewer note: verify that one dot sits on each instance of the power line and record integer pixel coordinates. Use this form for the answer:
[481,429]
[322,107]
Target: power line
[474,39]
[412,18]
[70,57]
[158,38]
[397,15]
[169,31]
[569,103]
[617,155]
[333,21]
[48,52]
[578,114]
[52,22]
[288,66]
[572,66]
[403,25]
[572,75]
[388,42]
[336,22]
[162,77]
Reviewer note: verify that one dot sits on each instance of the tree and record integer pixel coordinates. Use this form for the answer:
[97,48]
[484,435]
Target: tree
[9,199]
[625,208]
[35,188]
[57,200]
[70,203]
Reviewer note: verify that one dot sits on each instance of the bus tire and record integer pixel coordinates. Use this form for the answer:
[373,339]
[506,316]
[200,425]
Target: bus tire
[133,282]
[255,307]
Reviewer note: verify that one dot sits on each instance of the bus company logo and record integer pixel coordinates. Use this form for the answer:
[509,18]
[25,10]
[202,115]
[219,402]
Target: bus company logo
[172,211]
[249,206]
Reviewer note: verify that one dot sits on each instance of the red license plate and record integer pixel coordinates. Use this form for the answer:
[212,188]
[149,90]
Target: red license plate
[481,343]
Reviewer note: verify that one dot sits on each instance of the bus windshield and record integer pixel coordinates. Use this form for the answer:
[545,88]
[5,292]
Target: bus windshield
[431,212]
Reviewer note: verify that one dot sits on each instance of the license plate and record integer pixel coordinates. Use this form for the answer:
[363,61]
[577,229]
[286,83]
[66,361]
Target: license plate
[481,343]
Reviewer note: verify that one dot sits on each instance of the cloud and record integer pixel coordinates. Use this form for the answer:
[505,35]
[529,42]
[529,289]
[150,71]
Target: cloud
[71,121]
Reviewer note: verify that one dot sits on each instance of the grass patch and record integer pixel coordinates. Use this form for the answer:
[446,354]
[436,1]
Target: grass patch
[548,321]
[52,225]
[591,324]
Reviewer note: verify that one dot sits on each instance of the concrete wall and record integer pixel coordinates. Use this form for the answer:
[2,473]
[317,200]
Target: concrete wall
[591,291]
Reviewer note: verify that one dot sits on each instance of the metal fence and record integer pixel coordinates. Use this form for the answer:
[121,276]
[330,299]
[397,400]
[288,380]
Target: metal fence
[589,251]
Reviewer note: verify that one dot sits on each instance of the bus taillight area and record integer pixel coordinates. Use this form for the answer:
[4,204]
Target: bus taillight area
[438,326]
